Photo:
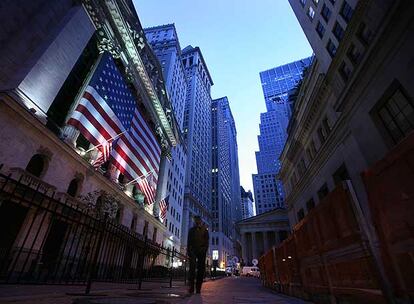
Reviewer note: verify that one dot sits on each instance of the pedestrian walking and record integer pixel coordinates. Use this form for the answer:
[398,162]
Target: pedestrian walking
[197,245]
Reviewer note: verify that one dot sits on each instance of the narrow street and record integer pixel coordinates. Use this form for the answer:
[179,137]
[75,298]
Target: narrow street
[235,290]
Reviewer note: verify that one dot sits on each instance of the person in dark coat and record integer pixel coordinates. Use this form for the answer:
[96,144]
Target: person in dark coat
[197,245]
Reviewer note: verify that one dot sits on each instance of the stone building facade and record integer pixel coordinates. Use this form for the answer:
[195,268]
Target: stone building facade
[49,53]
[197,136]
[261,232]
[355,104]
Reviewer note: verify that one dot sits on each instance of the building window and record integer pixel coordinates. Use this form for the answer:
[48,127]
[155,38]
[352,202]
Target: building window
[395,113]
[154,235]
[300,214]
[73,187]
[311,12]
[331,48]
[364,34]
[303,2]
[341,174]
[346,11]
[134,223]
[338,31]
[345,71]
[36,165]
[325,12]
[310,204]
[320,29]
[354,54]
[323,191]
[145,230]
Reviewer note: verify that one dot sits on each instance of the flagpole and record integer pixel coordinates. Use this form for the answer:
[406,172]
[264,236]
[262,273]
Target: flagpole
[112,138]
[145,176]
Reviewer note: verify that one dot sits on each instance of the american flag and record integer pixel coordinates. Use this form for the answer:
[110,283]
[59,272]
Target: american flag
[146,186]
[164,208]
[108,109]
[104,151]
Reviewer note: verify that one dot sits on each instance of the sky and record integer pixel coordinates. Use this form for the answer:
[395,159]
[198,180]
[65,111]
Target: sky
[238,39]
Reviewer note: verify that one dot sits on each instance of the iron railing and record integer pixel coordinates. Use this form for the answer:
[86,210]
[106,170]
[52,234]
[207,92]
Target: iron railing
[46,240]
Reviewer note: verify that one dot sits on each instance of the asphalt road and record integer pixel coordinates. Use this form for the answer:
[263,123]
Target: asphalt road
[239,290]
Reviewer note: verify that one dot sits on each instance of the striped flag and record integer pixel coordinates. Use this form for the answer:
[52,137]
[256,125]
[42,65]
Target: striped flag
[146,186]
[137,152]
[104,151]
[108,110]
[164,208]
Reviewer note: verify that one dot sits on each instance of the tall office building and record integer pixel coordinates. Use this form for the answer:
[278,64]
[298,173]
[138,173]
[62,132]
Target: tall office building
[324,24]
[246,203]
[278,84]
[165,44]
[197,136]
[225,178]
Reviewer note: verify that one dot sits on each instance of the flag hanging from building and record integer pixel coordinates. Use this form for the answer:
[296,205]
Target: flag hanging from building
[164,208]
[107,110]
[137,153]
[104,151]
[147,186]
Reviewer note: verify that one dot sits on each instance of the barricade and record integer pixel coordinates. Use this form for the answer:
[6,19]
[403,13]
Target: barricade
[390,188]
[326,257]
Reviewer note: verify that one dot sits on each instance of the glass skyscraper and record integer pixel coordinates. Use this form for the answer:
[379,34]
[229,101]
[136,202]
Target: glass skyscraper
[278,86]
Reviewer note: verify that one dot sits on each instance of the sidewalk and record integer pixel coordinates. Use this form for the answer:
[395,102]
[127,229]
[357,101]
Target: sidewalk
[67,294]
[151,292]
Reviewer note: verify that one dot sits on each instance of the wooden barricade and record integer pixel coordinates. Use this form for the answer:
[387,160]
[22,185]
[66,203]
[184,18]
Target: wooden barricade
[390,187]
[326,256]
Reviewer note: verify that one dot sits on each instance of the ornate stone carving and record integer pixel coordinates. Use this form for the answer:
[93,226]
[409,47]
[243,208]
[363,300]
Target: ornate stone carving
[138,37]
[101,203]
[164,142]
[108,45]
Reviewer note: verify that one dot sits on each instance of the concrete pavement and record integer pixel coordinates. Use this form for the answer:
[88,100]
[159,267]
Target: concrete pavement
[233,290]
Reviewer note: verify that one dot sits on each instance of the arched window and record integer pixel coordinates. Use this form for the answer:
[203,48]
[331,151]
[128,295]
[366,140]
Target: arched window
[36,165]
[121,178]
[73,187]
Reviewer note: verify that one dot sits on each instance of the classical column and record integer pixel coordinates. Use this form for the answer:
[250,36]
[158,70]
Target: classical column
[254,246]
[244,247]
[265,242]
[277,237]
[70,133]
[161,191]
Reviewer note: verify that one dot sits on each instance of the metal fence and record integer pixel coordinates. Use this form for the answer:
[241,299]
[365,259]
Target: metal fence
[46,240]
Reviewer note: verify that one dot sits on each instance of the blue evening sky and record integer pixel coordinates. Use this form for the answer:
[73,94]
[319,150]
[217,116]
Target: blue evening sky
[238,39]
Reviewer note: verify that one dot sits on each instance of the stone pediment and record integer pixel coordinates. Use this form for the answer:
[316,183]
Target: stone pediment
[276,215]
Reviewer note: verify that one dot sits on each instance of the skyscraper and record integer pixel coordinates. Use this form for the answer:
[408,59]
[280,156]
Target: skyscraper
[324,24]
[246,203]
[197,135]
[165,44]
[225,198]
[278,84]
